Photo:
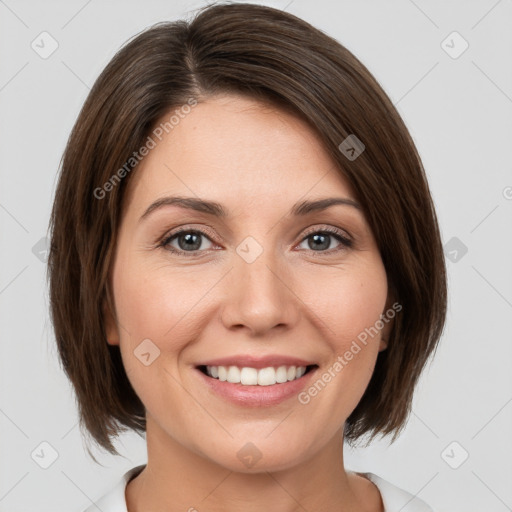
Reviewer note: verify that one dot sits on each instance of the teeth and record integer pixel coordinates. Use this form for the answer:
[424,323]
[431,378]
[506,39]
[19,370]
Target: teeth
[248,376]
[253,377]
[223,373]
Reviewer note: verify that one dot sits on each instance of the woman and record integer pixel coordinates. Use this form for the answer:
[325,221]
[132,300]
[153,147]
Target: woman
[245,266]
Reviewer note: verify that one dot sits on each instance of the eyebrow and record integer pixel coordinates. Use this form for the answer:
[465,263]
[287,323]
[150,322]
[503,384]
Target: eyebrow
[217,210]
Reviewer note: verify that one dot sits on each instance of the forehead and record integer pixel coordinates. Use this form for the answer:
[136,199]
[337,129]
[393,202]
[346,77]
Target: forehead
[237,150]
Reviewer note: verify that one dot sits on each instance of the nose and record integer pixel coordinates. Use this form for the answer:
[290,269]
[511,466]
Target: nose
[259,297]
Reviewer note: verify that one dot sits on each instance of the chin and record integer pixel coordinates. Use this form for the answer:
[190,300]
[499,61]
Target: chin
[260,456]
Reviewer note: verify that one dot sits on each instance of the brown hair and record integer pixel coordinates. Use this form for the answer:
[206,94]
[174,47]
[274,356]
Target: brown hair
[269,55]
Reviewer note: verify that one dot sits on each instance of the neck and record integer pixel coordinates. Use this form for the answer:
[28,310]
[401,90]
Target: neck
[179,479]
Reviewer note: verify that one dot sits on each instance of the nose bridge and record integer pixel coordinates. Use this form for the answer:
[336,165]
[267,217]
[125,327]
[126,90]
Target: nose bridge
[258,297]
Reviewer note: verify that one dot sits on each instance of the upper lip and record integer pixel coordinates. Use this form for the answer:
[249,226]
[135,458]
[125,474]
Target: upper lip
[257,362]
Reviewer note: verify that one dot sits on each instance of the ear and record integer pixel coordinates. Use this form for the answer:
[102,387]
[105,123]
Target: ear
[388,321]
[109,320]
[383,344]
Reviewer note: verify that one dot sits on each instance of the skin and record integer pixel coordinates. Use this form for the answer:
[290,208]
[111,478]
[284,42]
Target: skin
[257,162]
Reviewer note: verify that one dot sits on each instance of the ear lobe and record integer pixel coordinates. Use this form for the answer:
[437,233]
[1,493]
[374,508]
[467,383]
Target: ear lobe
[111,329]
[385,333]
[388,326]
[383,345]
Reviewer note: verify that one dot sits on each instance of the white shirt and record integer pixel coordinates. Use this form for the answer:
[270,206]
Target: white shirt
[393,498]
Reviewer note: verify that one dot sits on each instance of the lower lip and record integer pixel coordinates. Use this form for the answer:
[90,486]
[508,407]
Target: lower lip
[257,396]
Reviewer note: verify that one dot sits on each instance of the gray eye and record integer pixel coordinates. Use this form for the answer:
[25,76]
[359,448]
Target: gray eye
[188,241]
[319,241]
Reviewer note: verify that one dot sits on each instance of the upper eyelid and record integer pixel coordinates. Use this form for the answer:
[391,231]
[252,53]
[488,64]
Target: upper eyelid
[332,230]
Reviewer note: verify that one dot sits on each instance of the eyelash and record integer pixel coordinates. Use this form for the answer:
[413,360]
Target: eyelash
[346,243]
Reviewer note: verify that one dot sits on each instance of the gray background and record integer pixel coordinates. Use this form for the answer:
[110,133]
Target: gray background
[459,113]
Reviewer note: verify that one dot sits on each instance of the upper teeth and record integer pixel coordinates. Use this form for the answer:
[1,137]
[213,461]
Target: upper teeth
[253,377]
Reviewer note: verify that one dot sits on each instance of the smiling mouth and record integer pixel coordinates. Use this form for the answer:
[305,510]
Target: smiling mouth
[248,376]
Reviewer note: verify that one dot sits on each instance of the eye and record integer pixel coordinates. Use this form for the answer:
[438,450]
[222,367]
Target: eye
[190,241]
[187,241]
[320,240]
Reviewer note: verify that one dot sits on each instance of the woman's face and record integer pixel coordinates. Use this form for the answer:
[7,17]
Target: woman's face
[263,282]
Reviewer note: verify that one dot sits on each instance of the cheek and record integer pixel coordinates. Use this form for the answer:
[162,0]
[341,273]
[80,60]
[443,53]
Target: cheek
[162,304]
[346,306]
[348,300]
[152,313]
[167,306]
[153,301]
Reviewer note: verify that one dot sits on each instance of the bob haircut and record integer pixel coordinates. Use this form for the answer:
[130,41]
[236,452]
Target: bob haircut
[271,56]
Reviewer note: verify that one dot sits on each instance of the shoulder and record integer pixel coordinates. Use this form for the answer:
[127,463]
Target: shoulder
[115,500]
[396,499]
